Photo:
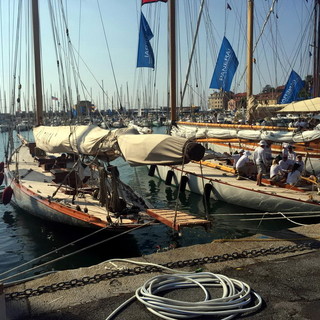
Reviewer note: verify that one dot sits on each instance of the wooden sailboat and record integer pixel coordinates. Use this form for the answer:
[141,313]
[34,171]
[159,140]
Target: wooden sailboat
[222,138]
[215,180]
[66,175]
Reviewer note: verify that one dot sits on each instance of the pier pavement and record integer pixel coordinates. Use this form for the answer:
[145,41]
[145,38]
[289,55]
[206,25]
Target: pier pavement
[282,268]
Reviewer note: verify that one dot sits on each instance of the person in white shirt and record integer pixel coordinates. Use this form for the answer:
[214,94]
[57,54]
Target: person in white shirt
[285,149]
[260,160]
[242,165]
[294,175]
[236,156]
[276,173]
[285,163]
[291,154]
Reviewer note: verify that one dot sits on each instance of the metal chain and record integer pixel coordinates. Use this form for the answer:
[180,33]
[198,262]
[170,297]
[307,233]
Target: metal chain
[64,285]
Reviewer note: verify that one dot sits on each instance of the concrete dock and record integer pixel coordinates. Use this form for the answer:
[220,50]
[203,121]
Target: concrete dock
[283,268]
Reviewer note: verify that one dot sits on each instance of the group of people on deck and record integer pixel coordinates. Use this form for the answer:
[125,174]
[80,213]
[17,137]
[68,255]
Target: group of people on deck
[287,167]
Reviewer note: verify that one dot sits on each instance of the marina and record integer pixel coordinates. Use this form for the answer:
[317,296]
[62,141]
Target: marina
[201,189]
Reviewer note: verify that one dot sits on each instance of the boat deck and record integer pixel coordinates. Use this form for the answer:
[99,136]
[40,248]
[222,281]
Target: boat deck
[220,171]
[227,188]
[36,175]
[36,178]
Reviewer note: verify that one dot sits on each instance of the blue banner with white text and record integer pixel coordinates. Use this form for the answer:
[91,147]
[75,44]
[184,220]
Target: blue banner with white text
[292,88]
[225,68]
[145,52]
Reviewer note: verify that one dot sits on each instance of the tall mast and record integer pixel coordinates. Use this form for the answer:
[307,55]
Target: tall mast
[172,54]
[37,62]
[249,59]
[316,43]
[250,48]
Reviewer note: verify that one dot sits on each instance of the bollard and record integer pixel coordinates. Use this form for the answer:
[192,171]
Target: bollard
[2,304]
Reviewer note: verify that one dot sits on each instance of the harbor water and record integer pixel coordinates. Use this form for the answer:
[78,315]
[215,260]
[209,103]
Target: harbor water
[23,237]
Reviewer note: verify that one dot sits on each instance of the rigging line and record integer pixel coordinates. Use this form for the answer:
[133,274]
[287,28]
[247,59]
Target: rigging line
[74,66]
[77,251]
[261,32]
[192,52]
[53,251]
[109,54]
[59,61]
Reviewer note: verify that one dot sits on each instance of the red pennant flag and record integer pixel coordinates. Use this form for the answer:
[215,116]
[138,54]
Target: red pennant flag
[149,1]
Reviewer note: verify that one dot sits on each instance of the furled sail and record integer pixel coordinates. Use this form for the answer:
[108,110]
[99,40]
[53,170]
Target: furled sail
[88,140]
[135,148]
[254,135]
[159,149]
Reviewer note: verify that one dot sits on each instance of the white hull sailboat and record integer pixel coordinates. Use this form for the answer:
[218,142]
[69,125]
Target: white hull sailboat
[209,179]
[230,138]
[212,182]
[66,175]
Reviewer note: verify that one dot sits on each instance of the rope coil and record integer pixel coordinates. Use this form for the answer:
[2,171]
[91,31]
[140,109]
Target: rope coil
[236,298]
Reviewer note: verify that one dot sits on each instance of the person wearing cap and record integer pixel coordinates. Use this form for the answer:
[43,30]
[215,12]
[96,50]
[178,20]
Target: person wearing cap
[291,154]
[260,160]
[243,166]
[236,156]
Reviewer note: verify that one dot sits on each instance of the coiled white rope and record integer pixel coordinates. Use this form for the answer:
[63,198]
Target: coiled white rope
[236,298]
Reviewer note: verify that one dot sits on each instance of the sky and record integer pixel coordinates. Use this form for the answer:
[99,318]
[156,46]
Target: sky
[104,39]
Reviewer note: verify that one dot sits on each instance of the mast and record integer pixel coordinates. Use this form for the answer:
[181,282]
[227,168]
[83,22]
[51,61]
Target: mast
[172,58]
[37,62]
[250,48]
[249,57]
[316,49]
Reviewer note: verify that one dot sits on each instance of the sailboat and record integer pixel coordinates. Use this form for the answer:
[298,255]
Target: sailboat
[66,174]
[228,138]
[213,179]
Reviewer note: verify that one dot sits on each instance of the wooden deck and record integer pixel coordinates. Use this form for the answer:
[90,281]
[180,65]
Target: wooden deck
[177,219]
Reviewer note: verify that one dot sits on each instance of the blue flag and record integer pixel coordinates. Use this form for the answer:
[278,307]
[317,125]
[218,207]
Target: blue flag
[145,52]
[226,67]
[292,88]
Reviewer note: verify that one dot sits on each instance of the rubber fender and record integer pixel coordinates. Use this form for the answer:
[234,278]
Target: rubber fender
[183,183]
[1,178]
[169,177]
[7,195]
[1,166]
[207,190]
[152,169]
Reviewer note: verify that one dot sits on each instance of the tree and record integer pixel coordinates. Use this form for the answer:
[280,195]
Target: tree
[268,89]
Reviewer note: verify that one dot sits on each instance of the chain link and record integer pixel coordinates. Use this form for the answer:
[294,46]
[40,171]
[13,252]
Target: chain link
[65,285]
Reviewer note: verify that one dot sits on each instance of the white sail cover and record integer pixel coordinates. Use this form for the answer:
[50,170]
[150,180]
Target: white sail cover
[152,149]
[135,148]
[192,131]
[89,140]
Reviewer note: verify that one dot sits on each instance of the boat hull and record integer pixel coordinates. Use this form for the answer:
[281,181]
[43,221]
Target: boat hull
[34,204]
[238,193]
